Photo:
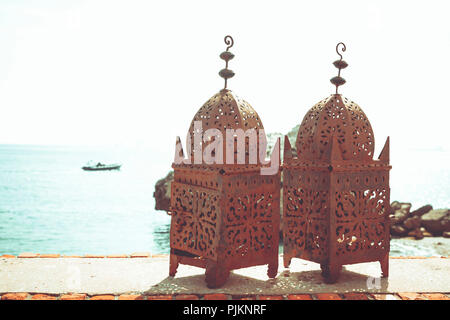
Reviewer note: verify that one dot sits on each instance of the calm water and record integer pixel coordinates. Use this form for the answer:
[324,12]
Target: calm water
[49,205]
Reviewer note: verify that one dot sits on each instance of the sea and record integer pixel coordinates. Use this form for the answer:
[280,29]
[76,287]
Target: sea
[48,204]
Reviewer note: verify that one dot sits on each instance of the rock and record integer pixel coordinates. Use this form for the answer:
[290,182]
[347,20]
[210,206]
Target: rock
[437,221]
[398,230]
[446,234]
[162,192]
[395,205]
[401,212]
[426,234]
[412,223]
[416,234]
[422,210]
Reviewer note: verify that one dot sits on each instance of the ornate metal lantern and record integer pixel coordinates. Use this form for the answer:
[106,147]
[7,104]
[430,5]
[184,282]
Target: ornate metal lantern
[335,195]
[225,216]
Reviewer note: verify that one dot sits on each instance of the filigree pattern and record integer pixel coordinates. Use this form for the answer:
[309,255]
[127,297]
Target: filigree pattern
[194,220]
[360,220]
[305,220]
[362,204]
[249,223]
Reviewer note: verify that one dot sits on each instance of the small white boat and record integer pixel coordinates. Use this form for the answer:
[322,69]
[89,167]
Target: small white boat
[100,166]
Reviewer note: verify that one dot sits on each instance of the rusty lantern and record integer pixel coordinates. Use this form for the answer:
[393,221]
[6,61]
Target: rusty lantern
[335,195]
[224,216]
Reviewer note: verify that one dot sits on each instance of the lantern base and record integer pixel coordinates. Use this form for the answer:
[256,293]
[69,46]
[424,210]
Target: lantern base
[330,273]
[272,269]
[173,264]
[217,272]
[215,275]
[286,260]
[384,263]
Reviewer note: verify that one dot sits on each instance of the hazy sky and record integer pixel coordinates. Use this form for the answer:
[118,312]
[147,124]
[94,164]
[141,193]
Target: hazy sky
[136,72]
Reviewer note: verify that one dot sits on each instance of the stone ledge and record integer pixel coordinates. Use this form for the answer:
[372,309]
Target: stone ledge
[145,277]
[319,296]
[149,255]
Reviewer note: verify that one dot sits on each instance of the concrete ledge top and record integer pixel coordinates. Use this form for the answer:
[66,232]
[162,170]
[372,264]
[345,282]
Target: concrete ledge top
[149,276]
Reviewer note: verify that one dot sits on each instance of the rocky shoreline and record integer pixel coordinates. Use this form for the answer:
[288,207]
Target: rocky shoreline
[422,222]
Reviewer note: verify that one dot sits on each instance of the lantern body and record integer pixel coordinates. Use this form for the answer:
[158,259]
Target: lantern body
[224,216]
[335,196]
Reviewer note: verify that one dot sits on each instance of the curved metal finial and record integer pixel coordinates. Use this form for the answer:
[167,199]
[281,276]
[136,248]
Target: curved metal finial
[340,64]
[343,48]
[230,42]
[227,56]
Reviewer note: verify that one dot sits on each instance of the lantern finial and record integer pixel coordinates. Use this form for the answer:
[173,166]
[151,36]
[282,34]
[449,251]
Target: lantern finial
[227,56]
[340,64]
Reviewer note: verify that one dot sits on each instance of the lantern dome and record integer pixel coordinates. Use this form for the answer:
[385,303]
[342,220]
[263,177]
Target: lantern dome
[340,117]
[225,110]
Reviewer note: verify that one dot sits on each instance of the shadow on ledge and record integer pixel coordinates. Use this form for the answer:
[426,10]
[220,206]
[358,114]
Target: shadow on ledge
[241,282]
